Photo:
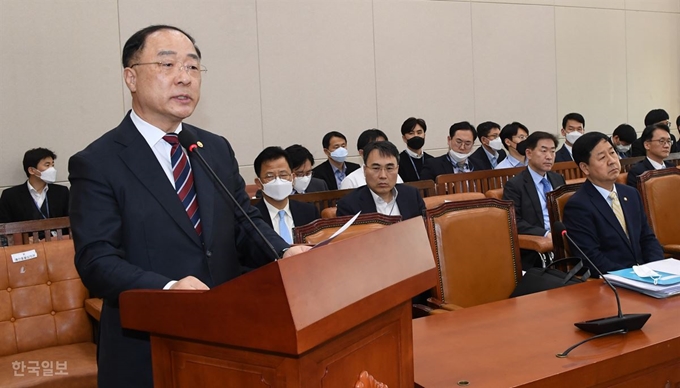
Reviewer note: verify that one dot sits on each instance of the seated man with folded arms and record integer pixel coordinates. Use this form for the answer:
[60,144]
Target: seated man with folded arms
[623,137]
[275,179]
[356,178]
[412,159]
[511,135]
[381,193]
[528,189]
[490,152]
[657,141]
[301,161]
[607,220]
[461,138]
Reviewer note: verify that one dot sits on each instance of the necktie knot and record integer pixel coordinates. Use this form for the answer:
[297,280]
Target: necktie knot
[172,139]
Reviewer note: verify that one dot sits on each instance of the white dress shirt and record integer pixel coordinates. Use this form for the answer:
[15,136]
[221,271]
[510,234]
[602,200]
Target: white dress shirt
[274,216]
[387,208]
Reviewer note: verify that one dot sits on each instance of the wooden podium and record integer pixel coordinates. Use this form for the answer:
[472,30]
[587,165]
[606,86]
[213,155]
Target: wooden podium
[313,320]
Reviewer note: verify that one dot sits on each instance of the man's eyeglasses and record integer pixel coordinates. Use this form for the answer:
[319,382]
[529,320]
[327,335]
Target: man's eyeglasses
[302,174]
[463,144]
[663,142]
[270,177]
[170,67]
[390,169]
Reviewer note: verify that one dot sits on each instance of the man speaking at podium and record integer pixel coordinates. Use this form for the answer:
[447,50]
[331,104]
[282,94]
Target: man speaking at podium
[144,215]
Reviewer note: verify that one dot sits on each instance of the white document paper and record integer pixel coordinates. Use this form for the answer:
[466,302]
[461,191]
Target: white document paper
[338,232]
[23,256]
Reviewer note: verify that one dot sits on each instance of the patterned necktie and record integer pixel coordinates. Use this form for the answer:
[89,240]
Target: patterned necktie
[618,211]
[546,187]
[184,181]
[283,228]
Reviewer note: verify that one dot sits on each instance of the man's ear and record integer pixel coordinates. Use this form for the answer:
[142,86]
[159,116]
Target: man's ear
[563,132]
[585,168]
[130,77]
[258,183]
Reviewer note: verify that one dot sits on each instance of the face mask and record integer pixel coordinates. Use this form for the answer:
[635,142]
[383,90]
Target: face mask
[458,157]
[572,136]
[278,189]
[415,143]
[339,154]
[300,184]
[49,175]
[496,144]
[623,148]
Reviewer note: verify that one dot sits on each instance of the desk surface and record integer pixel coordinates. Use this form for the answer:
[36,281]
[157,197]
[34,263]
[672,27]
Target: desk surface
[514,342]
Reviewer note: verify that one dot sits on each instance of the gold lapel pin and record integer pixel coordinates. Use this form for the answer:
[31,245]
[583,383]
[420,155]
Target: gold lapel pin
[625,199]
[199,144]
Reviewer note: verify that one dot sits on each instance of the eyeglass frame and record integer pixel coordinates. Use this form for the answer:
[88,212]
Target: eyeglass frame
[662,142]
[162,65]
[270,177]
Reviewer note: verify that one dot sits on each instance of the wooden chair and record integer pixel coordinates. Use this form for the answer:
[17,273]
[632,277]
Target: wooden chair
[622,179]
[569,170]
[426,187]
[322,199]
[476,181]
[494,193]
[557,199]
[433,202]
[627,163]
[329,212]
[659,190]
[251,190]
[319,230]
[472,271]
[27,232]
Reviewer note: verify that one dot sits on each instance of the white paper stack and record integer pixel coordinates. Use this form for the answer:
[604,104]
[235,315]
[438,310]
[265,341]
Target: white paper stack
[668,266]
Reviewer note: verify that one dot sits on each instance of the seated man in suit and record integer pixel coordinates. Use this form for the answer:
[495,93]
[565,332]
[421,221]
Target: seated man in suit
[623,137]
[412,159]
[461,137]
[335,169]
[573,126]
[607,220]
[528,190]
[301,161]
[490,153]
[39,197]
[657,141]
[356,178]
[275,179]
[511,135]
[654,116]
[381,193]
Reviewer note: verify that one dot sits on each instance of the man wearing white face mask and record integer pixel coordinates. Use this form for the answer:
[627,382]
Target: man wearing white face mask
[301,162]
[275,179]
[490,153]
[335,169]
[461,137]
[573,126]
[623,137]
[39,197]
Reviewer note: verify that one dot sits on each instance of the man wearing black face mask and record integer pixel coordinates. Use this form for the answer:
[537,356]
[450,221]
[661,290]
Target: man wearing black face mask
[412,158]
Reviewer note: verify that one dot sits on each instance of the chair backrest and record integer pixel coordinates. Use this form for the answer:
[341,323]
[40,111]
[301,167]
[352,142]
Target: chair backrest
[627,163]
[659,190]
[557,199]
[426,187]
[471,270]
[476,181]
[321,229]
[41,298]
[26,232]
[251,190]
[433,202]
[322,199]
[569,170]
[622,179]
[329,212]
[494,193]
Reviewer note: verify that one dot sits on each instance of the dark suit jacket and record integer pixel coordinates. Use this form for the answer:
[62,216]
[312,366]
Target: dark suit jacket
[638,168]
[16,204]
[410,202]
[481,159]
[441,165]
[522,192]
[316,185]
[406,170]
[563,155]
[638,149]
[324,171]
[130,231]
[303,213]
[593,226]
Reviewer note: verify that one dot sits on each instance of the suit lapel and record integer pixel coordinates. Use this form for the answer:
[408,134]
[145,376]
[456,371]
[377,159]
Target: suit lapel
[205,192]
[606,211]
[264,212]
[142,162]
[530,189]
[367,202]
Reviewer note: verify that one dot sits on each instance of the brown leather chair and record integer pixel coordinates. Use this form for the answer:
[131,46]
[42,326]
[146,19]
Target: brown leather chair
[659,190]
[26,232]
[42,319]
[494,193]
[427,187]
[622,179]
[329,212]
[472,271]
[557,199]
[434,201]
[320,230]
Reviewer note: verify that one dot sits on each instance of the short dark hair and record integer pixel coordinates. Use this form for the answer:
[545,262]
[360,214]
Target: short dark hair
[269,154]
[369,136]
[573,116]
[484,128]
[532,141]
[656,115]
[410,124]
[135,44]
[585,144]
[326,141]
[511,130]
[625,133]
[34,156]
[463,126]
[298,155]
[648,133]
[385,148]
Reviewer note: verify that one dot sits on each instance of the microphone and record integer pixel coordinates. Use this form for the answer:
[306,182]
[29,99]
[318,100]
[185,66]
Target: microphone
[190,142]
[619,323]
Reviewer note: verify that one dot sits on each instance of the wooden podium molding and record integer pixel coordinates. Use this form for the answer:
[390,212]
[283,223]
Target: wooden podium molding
[313,320]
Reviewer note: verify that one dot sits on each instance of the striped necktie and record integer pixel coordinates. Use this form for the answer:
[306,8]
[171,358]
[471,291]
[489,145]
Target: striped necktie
[184,181]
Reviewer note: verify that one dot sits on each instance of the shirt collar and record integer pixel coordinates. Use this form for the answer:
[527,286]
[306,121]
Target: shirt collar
[513,162]
[378,200]
[344,167]
[489,154]
[273,212]
[604,192]
[568,147]
[149,132]
[413,154]
[32,190]
[656,165]
[536,176]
